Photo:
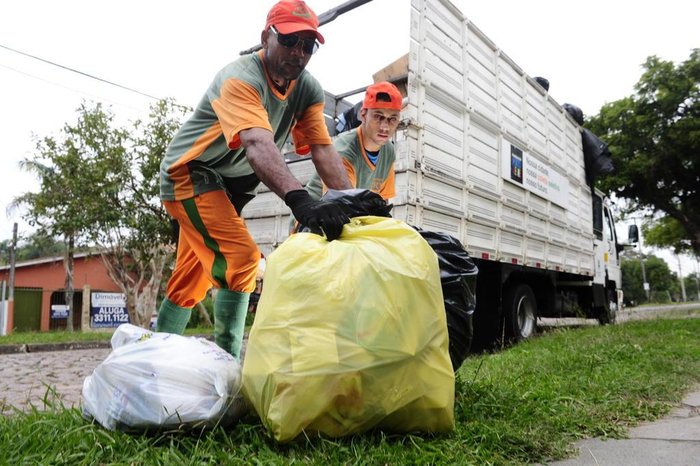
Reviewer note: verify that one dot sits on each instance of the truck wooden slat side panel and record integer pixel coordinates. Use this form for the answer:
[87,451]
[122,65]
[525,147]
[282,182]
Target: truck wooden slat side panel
[488,156]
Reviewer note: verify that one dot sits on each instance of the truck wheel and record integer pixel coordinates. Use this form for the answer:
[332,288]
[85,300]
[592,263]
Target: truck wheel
[520,312]
[607,314]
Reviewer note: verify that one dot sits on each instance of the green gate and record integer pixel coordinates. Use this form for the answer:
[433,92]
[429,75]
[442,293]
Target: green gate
[27,315]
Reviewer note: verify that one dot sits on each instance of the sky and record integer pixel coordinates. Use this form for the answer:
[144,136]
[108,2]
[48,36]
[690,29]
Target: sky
[591,52]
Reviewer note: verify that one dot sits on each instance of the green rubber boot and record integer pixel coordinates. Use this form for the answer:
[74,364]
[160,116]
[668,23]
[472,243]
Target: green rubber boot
[230,309]
[172,318]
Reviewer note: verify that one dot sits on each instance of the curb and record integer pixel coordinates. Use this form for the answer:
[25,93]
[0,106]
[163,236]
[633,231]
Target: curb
[76,345]
[13,349]
[40,347]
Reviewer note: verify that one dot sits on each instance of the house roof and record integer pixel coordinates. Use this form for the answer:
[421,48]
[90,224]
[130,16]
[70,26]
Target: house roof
[46,260]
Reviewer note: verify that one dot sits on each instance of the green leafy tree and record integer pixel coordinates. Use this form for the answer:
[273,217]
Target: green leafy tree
[35,246]
[666,232]
[78,173]
[654,138]
[661,281]
[692,286]
[138,247]
[100,186]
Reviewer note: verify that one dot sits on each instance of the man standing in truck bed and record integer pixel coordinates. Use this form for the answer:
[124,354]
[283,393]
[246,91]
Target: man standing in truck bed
[218,157]
[368,159]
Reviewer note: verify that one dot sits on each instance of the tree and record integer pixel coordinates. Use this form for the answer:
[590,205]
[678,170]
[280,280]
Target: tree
[77,175]
[692,285]
[100,186]
[666,232]
[33,247]
[661,281]
[654,138]
[138,246]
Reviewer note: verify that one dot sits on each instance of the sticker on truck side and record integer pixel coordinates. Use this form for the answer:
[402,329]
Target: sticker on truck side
[529,172]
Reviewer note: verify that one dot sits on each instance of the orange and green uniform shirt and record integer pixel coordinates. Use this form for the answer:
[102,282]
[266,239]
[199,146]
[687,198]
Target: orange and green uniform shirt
[206,154]
[362,172]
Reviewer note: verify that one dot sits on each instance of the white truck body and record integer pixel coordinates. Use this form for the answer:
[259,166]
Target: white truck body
[486,155]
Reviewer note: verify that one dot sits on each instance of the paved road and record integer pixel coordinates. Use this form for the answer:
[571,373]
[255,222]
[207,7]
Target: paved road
[678,311]
[28,378]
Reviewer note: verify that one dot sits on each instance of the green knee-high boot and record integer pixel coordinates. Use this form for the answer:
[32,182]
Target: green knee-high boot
[172,318]
[230,309]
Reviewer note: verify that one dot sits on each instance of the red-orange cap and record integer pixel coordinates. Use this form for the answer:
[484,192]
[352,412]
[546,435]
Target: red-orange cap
[290,16]
[384,87]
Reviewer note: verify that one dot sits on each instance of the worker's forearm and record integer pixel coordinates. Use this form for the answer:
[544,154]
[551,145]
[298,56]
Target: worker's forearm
[270,167]
[329,167]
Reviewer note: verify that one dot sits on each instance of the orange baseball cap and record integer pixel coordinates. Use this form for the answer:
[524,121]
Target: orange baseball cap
[390,91]
[289,16]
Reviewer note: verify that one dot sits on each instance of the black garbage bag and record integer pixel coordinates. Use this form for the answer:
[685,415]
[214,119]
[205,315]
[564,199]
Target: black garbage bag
[458,279]
[575,112]
[359,202]
[355,203]
[596,156]
[349,119]
[544,82]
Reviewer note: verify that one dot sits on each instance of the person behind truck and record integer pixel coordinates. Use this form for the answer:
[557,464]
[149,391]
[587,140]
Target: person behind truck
[217,158]
[368,159]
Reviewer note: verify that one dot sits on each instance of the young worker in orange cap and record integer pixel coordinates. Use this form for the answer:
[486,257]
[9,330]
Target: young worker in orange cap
[367,157]
[230,144]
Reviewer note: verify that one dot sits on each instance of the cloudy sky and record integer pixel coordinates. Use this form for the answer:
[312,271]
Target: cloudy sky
[591,53]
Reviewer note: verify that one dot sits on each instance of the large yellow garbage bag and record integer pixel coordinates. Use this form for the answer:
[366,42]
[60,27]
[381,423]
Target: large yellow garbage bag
[350,335]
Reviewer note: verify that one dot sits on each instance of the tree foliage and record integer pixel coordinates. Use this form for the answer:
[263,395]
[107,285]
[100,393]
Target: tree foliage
[139,246]
[34,246]
[78,174]
[99,186]
[692,286]
[666,232]
[660,278]
[654,137]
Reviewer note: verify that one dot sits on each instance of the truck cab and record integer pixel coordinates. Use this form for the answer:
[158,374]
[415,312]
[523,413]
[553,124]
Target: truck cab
[607,281]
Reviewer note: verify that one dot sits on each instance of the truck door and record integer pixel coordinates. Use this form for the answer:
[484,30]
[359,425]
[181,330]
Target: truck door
[607,264]
[599,246]
[610,239]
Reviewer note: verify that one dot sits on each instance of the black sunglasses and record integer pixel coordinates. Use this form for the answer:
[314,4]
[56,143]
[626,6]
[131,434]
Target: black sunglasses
[309,46]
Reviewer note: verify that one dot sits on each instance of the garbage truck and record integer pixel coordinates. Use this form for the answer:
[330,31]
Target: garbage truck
[485,154]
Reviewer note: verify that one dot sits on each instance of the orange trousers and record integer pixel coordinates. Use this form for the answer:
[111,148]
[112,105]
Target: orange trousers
[214,249]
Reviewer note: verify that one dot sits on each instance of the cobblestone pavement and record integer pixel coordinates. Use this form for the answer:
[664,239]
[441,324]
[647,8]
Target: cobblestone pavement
[26,379]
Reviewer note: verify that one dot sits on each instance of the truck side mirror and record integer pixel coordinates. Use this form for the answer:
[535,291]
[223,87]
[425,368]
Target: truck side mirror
[633,234]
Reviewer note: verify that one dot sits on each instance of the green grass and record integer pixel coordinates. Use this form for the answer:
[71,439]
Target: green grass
[62,336]
[524,405]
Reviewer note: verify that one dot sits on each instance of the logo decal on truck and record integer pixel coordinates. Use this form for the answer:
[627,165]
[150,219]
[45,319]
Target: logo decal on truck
[531,173]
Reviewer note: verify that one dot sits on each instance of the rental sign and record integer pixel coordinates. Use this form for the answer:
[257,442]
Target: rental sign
[108,310]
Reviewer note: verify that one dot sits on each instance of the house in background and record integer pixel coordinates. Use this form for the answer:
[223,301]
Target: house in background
[39,300]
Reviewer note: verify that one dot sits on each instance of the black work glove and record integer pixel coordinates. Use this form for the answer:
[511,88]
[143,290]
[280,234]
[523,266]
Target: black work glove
[376,205]
[359,202]
[321,217]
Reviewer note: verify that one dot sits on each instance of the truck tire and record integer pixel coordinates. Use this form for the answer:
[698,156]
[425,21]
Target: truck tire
[607,314]
[519,312]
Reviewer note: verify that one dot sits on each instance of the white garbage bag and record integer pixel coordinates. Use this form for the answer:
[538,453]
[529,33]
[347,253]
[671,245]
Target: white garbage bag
[161,380]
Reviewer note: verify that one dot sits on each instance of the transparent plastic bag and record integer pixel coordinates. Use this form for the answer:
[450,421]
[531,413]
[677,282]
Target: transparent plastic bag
[350,335]
[161,380]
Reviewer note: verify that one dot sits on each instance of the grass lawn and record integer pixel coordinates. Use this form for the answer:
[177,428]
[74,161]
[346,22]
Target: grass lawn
[526,404]
[69,337]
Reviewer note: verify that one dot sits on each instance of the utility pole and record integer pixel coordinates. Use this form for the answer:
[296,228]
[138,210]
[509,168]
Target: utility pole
[641,261]
[680,277]
[11,287]
[697,277]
